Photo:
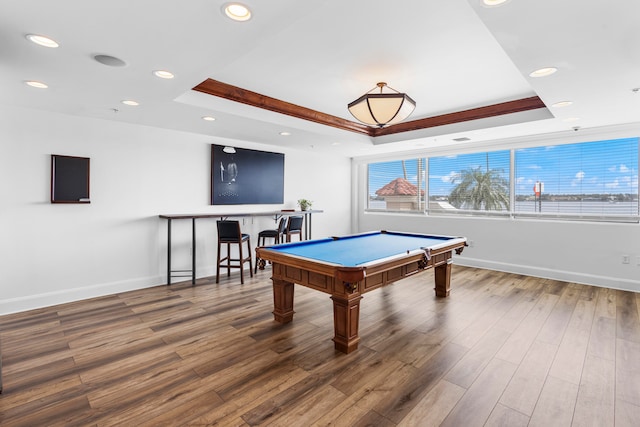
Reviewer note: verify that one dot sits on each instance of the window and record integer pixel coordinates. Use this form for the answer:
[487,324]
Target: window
[595,181]
[397,185]
[475,183]
[587,180]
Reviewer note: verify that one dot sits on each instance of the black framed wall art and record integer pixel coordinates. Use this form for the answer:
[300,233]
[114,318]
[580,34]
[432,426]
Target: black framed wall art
[241,176]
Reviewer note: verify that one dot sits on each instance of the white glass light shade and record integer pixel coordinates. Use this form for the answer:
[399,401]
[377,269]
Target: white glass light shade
[380,109]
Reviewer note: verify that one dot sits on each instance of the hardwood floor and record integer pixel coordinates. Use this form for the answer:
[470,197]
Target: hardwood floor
[502,350]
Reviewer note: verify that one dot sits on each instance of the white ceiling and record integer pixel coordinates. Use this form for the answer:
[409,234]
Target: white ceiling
[448,55]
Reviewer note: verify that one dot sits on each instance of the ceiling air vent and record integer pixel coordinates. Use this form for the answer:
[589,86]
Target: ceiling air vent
[462,139]
[109,61]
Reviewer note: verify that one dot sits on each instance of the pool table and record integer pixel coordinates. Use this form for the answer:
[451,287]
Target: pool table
[347,267]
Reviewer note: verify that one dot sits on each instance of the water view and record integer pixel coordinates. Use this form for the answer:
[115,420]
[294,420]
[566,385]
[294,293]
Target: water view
[591,207]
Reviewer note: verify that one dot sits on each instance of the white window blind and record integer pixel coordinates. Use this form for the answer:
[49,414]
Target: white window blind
[591,180]
[470,184]
[397,185]
[595,181]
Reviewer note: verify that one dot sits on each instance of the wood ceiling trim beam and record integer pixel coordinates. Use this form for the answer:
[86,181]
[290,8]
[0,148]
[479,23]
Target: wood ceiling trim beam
[509,107]
[237,94]
[234,93]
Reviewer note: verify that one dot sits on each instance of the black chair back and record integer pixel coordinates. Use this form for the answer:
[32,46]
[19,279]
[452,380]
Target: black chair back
[229,231]
[282,226]
[295,224]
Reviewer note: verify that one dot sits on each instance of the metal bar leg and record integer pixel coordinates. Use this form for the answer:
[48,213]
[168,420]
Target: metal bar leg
[193,251]
[168,251]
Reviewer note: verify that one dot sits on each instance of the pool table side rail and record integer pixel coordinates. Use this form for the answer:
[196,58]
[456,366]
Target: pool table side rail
[445,239]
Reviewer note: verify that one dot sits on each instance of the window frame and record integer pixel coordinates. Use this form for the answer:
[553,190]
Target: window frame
[511,213]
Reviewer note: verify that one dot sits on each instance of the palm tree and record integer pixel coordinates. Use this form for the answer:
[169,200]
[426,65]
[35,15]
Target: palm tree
[479,190]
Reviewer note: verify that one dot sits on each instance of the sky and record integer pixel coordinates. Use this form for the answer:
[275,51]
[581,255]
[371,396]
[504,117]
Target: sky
[600,167]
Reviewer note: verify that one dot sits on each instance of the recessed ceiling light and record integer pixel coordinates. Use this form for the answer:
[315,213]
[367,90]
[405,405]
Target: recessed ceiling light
[562,104]
[285,133]
[543,72]
[130,102]
[335,143]
[571,119]
[163,74]
[42,40]
[237,11]
[208,118]
[492,3]
[34,83]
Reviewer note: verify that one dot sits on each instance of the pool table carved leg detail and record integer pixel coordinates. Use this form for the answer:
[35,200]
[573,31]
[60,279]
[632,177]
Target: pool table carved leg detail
[442,274]
[346,321]
[282,300]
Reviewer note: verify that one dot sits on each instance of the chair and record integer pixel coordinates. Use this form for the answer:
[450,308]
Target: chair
[273,234]
[229,233]
[276,234]
[294,226]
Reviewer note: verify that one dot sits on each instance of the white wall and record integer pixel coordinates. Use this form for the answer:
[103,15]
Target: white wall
[582,252]
[587,253]
[51,254]
[54,253]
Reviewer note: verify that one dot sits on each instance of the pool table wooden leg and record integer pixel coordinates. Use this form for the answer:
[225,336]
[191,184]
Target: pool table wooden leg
[282,301]
[442,274]
[346,319]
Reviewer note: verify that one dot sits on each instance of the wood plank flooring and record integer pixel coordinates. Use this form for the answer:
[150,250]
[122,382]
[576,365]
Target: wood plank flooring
[502,350]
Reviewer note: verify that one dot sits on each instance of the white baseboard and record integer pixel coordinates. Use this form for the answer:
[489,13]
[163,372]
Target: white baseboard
[31,302]
[546,273]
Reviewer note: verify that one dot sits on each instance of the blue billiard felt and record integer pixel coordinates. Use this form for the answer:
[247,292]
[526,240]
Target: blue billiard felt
[352,251]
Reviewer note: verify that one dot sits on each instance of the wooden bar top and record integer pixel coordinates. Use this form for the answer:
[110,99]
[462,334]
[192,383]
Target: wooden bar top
[238,214]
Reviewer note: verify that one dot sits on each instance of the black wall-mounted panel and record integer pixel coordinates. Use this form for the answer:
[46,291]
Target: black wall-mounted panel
[69,179]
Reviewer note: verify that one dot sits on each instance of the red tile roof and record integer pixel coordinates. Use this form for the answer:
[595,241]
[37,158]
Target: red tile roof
[399,187]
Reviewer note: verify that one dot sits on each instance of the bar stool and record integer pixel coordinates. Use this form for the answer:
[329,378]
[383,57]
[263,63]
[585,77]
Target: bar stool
[294,226]
[276,234]
[229,233]
[273,234]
